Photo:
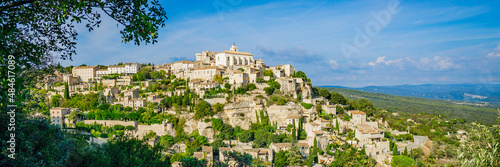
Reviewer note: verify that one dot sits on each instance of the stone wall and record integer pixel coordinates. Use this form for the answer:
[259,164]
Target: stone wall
[280,113]
[216,100]
[111,123]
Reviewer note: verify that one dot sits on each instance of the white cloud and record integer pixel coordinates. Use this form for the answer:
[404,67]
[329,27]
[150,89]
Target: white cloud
[426,63]
[495,53]
[334,64]
[437,63]
[396,62]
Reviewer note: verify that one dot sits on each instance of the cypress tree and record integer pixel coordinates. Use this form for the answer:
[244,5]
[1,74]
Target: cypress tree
[405,153]
[395,150]
[337,125]
[294,136]
[300,127]
[363,151]
[66,90]
[315,150]
[257,116]
[412,156]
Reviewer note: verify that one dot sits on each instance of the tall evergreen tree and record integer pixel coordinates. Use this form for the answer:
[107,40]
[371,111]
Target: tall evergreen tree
[405,153]
[337,125]
[363,150]
[257,116]
[66,90]
[395,150]
[315,150]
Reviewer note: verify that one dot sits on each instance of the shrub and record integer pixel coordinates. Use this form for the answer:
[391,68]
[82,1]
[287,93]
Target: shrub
[118,127]
[306,105]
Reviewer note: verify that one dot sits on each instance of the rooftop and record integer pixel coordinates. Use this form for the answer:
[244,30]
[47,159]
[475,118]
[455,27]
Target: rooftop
[357,112]
[236,53]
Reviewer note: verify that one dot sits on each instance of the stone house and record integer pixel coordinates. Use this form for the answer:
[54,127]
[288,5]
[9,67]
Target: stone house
[367,134]
[85,73]
[206,153]
[329,109]
[294,119]
[263,154]
[135,103]
[58,114]
[239,79]
[303,147]
[288,69]
[132,93]
[358,117]
[206,73]
[223,158]
[313,129]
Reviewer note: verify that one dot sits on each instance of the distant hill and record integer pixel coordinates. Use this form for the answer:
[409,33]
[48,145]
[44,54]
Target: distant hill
[486,114]
[477,93]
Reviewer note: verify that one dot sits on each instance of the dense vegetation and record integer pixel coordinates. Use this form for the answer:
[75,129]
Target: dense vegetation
[414,105]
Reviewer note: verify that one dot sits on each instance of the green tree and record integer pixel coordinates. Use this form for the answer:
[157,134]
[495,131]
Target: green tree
[300,74]
[190,161]
[202,109]
[402,160]
[246,136]
[325,93]
[405,152]
[217,124]
[55,100]
[269,90]
[337,98]
[293,156]
[340,109]
[66,90]
[268,73]
[280,159]
[395,150]
[166,141]
[481,148]
[337,125]
[251,86]
[74,116]
[242,160]
[319,108]
[218,78]
[227,86]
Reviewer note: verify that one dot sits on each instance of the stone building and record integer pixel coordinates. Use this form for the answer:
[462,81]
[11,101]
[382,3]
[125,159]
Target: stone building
[132,93]
[233,57]
[58,114]
[358,117]
[329,109]
[288,69]
[367,134]
[85,73]
[206,57]
[206,73]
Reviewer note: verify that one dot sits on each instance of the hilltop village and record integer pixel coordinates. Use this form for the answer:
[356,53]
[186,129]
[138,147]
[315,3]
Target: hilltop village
[222,102]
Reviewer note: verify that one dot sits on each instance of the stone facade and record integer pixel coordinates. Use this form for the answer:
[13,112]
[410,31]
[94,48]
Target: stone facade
[233,57]
[85,73]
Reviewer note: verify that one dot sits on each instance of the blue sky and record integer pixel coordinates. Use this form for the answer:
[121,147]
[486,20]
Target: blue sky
[335,42]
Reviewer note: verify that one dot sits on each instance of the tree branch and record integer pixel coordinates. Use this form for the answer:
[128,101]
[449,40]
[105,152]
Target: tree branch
[14,4]
[114,18]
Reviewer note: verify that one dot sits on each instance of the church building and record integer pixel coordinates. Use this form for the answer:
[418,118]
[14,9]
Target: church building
[233,57]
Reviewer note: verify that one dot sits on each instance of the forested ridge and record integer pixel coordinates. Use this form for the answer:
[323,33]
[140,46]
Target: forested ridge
[484,114]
